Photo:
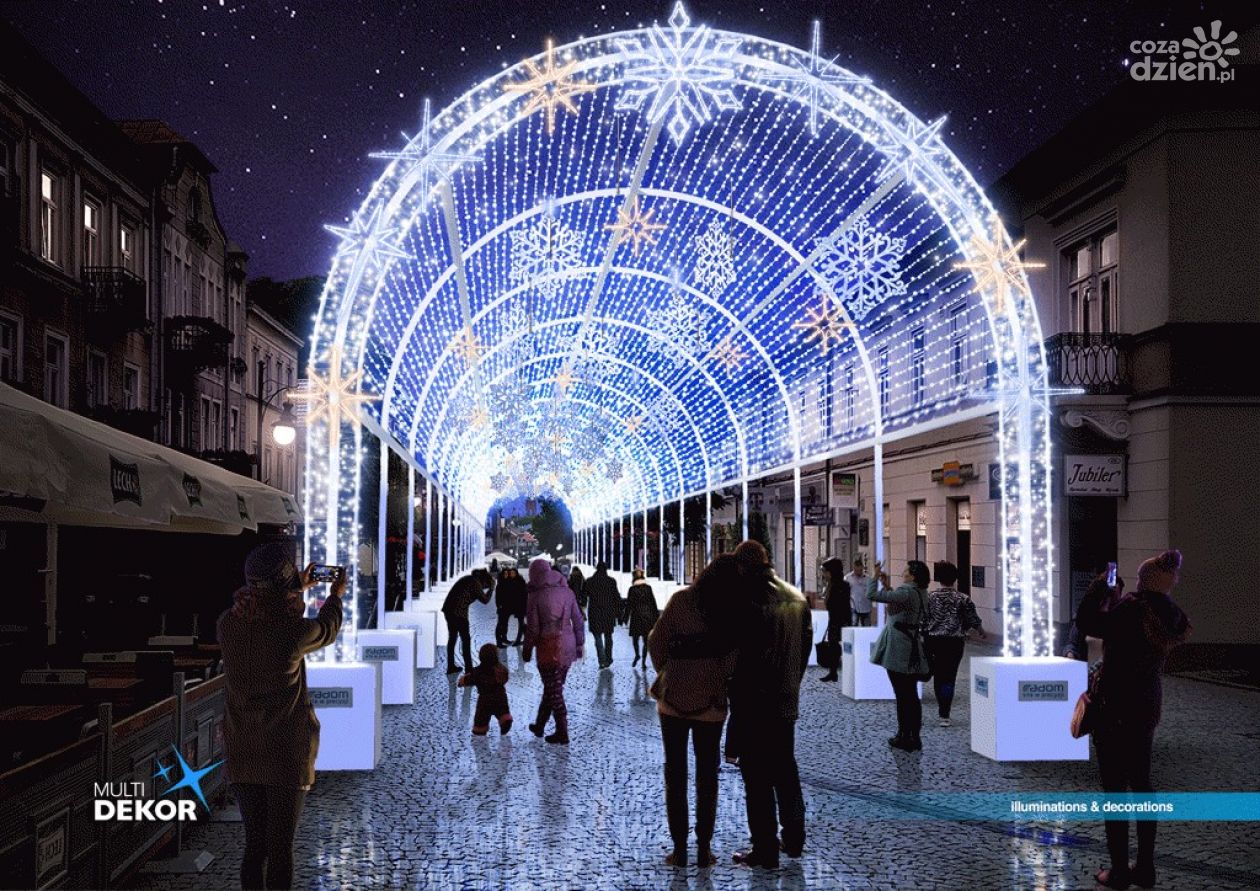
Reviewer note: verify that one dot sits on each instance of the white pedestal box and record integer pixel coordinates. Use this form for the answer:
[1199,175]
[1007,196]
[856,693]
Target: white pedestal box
[347,700]
[424,624]
[859,678]
[395,651]
[1021,708]
[820,632]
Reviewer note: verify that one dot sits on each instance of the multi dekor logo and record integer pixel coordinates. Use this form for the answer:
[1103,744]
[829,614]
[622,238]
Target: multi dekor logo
[1205,56]
[132,801]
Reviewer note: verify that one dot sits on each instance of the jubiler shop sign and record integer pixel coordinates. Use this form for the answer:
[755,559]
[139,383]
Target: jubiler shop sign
[1093,475]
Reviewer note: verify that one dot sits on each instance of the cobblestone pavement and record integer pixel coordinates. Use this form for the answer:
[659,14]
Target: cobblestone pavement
[445,810]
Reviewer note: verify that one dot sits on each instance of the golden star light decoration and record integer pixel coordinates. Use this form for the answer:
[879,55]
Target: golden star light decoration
[479,418]
[826,324]
[729,354]
[563,380]
[633,423]
[636,226]
[997,267]
[467,347]
[550,87]
[334,396]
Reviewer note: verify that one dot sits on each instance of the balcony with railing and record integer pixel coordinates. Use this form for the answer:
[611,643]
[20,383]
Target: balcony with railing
[1097,363]
[117,301]
[195,343]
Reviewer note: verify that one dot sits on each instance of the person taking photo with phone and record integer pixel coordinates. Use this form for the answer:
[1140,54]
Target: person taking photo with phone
[270,733]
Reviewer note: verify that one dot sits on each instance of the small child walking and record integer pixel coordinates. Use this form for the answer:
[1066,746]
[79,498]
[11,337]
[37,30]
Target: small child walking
[490,678]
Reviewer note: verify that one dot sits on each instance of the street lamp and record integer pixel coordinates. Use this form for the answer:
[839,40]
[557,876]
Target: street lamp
[283,431]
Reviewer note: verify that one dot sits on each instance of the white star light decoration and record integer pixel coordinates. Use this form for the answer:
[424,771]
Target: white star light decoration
[421,160]
[997,268]
[812,81]
[827,324]
[917,154]
[688,74]
[365,238]
[333,396]
[863,265]
[541,252]
[635,225]
[715,260]
[550,88]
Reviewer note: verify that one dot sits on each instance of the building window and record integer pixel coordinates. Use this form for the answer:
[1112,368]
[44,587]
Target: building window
[127,247]
[1093,284]
[98,380]
[958,345]
[216,425]
[57,370]
[49,194]
[131,387]
[234,429]
[885,385]
[91,233]
[10,348]
[918,361]
[177,416]
[6,166]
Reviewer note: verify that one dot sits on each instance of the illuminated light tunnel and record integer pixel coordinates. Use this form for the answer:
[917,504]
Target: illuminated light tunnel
[658,252]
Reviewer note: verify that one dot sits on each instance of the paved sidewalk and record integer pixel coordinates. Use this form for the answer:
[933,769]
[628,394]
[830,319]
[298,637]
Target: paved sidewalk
[445,810]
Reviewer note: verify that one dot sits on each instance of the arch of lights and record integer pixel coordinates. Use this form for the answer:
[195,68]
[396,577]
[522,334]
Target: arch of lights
[644,266]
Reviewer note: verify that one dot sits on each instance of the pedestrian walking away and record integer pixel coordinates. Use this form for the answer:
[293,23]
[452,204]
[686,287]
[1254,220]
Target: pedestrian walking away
[859,586]
[510,599]
[899,648]
[951,615]
[490,677]
[692,647]
[1137,632]
[555,629]
[577,582]
[640,614]
[270,732]
[476,586]
[839,615]
[603,607]
[775,634]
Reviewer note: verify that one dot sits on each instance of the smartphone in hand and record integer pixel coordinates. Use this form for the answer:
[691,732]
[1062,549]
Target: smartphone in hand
[325,574]
[1111,575]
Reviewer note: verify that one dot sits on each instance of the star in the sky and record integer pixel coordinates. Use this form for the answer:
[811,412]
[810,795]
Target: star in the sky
[997,267]
[550,88]
[191,779]
[636,226]
[826,324]
[334,395]
[368,239]
[423,161]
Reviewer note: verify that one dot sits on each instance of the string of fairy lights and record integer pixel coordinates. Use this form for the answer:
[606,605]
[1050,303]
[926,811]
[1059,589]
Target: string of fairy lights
[640,267]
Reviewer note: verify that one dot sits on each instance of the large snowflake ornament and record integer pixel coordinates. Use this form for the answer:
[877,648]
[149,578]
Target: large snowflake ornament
[612,469]
[715,260]
[682,324]
[596,352]
[687,74]
[498,481]
[663,419]
[542,252]
[863,265]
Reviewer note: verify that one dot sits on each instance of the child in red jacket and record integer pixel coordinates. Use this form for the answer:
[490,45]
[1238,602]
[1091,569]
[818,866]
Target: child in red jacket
[490,678]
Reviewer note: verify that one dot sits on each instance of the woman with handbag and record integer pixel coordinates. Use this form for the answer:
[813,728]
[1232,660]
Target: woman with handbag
[1137,632]
[692,647]
[901,651]
[839,615]
[951,615]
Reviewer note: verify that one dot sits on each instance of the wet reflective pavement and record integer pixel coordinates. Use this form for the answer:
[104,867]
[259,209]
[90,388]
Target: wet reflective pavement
[447,810]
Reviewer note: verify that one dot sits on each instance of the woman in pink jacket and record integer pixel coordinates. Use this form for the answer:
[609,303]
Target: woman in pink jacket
[555,628]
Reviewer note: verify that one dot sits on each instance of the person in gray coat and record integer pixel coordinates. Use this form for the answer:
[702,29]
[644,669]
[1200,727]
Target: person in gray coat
[899,649]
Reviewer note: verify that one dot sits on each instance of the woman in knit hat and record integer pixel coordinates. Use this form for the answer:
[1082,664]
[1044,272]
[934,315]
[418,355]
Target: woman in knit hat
[1137,631]
[270,733]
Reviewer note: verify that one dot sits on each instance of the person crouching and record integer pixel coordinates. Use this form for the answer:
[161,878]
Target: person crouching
[490,678]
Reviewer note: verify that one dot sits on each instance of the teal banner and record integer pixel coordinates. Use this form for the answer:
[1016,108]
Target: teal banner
[1081,806]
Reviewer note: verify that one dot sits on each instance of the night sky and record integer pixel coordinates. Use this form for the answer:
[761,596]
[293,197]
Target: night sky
[287,99]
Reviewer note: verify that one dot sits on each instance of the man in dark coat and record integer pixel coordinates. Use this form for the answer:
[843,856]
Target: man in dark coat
[839,613]
[510,596]
[477,585]
[765,703]
[604,606]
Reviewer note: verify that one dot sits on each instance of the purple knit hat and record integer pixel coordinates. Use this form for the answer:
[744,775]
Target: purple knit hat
[1160,573]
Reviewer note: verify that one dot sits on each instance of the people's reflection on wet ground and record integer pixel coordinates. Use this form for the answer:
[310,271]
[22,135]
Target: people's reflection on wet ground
[604,689]
[459,701]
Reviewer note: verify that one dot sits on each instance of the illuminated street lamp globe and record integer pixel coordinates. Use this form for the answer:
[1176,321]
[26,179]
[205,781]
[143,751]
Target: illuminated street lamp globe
[284,431]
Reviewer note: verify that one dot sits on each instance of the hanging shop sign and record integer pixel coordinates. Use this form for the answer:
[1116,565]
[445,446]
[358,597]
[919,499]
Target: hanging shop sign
[964,515]
[1097,475]
[844,490]
[951,473]
[817,515]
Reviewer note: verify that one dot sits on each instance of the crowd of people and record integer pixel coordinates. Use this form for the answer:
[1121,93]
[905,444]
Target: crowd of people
[730,652]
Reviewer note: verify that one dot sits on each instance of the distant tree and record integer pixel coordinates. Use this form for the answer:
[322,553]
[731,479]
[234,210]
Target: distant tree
[291,303]
[552,526]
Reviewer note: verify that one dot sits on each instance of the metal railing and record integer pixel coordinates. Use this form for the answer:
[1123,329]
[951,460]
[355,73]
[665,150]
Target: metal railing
[1097,363]
[115,297]
[195,343]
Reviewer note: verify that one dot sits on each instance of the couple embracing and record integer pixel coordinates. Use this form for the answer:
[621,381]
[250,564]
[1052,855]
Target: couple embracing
[738,636]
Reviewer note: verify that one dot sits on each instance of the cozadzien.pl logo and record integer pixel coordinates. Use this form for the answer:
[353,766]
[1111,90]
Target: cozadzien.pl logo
[1205,56]
[134,801]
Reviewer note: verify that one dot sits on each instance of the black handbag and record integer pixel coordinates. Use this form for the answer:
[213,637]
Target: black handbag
[920,658]
[828,654]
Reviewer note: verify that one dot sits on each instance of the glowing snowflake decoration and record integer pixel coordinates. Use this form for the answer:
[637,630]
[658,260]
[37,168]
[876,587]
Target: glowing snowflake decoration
[682,323]
[366,239]
[663,419]
[827,324]
[864,266]
[498,481]
[612,469]
[541,252]
[915,153]
[997,268]
[715,260]
[596,352]
[729,354]
[550,88]
[812,81]
[422,161]
[636,226]
[688,74]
